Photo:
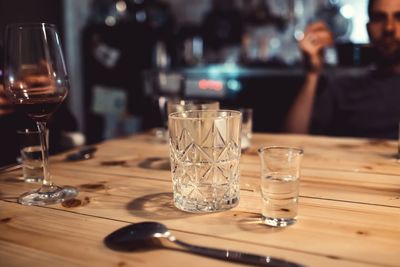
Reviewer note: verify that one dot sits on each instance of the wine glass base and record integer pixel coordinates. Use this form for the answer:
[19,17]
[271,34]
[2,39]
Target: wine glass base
[39,198]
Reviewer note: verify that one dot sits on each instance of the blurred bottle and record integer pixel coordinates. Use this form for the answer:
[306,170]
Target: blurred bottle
[190,45]
[123,39]
[222,30]
[162,59]
[261,40]
[258,13]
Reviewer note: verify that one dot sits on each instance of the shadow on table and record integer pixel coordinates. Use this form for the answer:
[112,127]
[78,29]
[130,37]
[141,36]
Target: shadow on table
[249,221]
[155,163]
[158,206]
[253,224]
[389,146]
[13,179]
[4,196]
[391,156]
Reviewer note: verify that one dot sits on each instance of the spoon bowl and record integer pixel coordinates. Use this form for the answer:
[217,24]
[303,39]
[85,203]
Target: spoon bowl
[140,236]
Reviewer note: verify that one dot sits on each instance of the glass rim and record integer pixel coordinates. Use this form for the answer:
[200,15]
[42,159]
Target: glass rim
[230,114]
[298,150]
[31,25]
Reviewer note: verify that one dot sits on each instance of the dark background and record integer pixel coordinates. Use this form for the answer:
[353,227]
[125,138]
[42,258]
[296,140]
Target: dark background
[16,11]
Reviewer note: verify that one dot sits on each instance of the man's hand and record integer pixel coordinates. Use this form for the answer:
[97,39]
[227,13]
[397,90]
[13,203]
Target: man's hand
[38,79]
[317,36]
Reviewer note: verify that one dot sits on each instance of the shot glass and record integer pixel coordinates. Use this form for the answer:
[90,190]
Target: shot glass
[280,177]
[31,155]
[204,154]
[247,127]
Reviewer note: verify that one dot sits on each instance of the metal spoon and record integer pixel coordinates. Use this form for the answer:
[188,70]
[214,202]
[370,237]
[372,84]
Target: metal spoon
[147,235]
[82,154]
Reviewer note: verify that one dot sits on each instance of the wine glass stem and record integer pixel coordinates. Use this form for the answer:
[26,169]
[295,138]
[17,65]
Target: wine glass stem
[47,183]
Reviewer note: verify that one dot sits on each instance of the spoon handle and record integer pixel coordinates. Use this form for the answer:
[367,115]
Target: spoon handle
[236,256]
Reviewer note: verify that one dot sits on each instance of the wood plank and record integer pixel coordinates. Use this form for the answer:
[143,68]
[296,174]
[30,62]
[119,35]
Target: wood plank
[58,238]
[365,229]
[345,154]
[349,207]
[364,172]
[382,189]
[335,185]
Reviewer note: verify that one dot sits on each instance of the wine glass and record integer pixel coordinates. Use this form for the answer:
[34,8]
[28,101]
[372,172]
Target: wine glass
[36,81]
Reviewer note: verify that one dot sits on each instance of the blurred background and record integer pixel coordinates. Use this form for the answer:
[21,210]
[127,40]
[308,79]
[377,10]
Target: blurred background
[124,55]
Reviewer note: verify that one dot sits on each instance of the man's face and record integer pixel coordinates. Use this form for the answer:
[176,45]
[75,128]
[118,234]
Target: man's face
[384,29]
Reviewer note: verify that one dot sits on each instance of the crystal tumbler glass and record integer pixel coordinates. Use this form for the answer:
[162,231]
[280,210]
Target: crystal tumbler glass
[205,152]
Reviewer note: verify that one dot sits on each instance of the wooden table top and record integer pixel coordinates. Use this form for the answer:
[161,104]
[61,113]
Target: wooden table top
[349,208]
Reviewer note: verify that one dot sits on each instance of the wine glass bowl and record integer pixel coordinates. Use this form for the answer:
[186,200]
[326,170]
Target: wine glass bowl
[35,76]
[36,81]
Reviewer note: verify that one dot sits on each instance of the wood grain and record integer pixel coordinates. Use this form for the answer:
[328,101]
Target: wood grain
[349,209]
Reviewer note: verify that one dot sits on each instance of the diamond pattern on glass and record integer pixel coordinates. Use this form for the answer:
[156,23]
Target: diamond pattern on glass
[205,167]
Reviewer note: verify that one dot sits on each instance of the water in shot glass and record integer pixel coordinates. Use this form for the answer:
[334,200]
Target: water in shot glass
[280,178]
[204,153]
[31,155]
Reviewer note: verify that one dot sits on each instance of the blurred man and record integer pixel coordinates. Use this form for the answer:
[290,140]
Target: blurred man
[363,106]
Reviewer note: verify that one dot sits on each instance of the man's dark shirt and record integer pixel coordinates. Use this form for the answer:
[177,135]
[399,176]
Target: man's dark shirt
[362,106]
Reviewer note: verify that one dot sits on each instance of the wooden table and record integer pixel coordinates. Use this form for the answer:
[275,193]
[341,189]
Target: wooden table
[349,211]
